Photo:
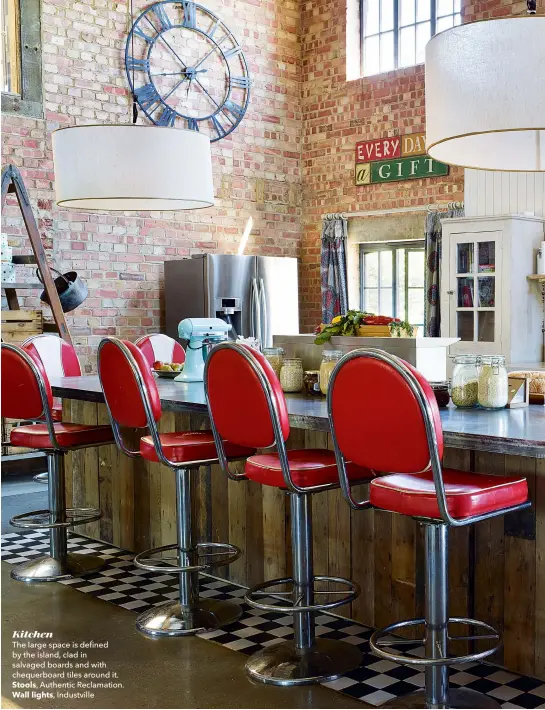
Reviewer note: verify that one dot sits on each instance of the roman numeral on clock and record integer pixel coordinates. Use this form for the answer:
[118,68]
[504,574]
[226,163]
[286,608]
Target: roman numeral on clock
[235,109]
[167,118]
[220,130]
[147,97]
[240,82]
[228,53]
[143,35]
[192,124]
[137,64]
[190,15]
[161,17]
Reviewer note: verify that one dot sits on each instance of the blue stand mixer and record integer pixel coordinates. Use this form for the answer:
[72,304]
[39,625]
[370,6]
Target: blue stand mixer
[201,333]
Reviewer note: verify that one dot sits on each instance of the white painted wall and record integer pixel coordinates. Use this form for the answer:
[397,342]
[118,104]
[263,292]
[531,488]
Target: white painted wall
[488,193]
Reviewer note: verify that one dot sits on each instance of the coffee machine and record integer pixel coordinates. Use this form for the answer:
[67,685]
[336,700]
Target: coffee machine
[201,333]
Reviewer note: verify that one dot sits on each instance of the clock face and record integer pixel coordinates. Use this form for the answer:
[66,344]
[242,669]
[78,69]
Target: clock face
[186,70]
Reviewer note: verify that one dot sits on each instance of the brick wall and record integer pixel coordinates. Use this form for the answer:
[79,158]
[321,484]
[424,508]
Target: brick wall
[290,161]
[337,114]
[256,169]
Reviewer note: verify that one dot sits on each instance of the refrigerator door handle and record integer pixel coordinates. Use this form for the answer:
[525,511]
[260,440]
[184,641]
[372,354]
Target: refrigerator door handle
[256,315]
[263,314]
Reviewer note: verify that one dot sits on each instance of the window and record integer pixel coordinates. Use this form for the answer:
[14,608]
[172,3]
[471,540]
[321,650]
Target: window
[394,33]
[21,58]
[392,280]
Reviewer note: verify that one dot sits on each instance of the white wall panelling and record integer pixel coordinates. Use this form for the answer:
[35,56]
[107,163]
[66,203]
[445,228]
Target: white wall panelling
[488,193]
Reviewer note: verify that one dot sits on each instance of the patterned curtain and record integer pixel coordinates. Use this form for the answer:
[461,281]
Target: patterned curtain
[432,305]
[333,267]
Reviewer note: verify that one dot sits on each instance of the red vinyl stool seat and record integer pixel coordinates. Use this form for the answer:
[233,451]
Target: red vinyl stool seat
[309,467]
[190,446]
[27,396]
[467,493]
[36,436]
[133,402]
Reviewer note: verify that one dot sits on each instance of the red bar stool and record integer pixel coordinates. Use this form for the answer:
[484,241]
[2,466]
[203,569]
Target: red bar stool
[160,347]
[133,401]
[394,426]
[59,359]
[26,394]
[247,407]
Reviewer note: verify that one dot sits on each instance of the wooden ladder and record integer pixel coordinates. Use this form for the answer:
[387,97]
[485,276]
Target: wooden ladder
[12,181]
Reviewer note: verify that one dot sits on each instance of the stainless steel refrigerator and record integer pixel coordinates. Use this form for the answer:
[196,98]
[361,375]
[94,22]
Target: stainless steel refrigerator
[258,295]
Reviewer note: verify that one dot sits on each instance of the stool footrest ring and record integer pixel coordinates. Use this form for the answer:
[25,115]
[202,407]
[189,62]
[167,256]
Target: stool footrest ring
[212,554]
[295,608]
[400,657]
[41,519]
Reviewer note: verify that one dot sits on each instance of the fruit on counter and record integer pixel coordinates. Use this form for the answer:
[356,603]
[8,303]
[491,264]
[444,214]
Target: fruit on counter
[348,324]
[168,366]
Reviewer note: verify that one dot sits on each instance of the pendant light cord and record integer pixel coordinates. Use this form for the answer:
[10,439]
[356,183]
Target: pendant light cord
[134,102]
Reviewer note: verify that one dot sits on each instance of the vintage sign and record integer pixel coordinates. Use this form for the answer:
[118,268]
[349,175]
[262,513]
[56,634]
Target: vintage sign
[393,159]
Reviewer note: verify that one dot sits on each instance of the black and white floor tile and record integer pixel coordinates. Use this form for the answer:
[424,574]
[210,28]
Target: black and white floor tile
[376,681]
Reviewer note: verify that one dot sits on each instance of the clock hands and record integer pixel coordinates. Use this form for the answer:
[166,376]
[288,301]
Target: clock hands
[189,71]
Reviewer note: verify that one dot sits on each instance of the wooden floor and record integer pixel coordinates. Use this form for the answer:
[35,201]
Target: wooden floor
[496,568]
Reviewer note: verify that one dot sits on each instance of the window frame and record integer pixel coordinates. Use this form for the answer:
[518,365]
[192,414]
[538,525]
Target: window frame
[29,101]
[408,245]
[396,30]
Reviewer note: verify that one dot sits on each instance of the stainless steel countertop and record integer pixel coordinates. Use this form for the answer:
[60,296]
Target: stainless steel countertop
[507,431]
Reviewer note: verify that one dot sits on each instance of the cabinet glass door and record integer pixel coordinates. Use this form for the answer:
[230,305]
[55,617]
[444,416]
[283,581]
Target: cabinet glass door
[473,288]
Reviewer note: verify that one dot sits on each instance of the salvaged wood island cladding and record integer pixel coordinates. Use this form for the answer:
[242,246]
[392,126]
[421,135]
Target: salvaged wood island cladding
[497,567]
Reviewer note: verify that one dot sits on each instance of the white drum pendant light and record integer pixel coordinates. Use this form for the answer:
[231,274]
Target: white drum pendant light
[485,95]
[132,168]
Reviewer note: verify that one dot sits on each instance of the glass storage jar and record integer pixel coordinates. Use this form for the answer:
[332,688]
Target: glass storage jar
[291,374]
[493,390]
[465,380]
[441,392]
[275,357]
[312,382]
[329,360]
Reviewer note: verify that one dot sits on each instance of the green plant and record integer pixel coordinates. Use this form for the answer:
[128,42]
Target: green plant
[399,326]
[342,325]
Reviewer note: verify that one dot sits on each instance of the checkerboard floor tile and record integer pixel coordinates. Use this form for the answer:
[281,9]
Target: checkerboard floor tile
[376,682]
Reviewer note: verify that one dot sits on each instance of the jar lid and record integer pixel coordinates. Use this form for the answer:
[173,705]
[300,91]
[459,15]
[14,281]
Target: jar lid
[466,359]
[273,351]
[312,372]
[293,359]
[493,359]
[332,354]
[439,385]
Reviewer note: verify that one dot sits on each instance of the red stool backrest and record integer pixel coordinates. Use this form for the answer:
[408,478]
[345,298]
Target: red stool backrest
[376,417]
[21,395]
[237,398]
[126,379]
[160,347]
[58,357]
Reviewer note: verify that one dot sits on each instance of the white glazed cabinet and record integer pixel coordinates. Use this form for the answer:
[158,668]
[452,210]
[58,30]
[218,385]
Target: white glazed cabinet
[486,298]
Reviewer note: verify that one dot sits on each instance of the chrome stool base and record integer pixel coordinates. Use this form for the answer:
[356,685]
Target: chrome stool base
[173,619]
[42,478]
[457,698]
[48,569]
[284,664]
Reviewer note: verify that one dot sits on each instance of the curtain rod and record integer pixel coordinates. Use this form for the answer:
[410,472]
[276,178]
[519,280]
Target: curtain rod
[395,210]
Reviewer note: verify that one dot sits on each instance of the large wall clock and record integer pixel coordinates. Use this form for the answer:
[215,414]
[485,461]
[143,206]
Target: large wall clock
[186,69]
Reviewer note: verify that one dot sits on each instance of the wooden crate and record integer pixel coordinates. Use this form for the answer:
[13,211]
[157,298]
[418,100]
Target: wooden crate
[373,331]
[17,326]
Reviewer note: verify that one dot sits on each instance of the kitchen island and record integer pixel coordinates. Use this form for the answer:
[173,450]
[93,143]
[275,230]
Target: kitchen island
[497,568]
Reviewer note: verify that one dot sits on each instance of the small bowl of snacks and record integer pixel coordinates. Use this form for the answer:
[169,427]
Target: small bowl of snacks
[169,370]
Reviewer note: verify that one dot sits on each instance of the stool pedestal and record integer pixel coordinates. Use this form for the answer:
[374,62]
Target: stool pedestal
[436,693]
[189,614]
[306,659]
[60,563]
